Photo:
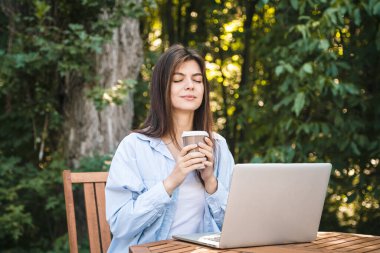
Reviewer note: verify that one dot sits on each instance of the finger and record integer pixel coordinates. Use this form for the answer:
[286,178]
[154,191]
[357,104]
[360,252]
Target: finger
[208,163]
[205,146]
[192,155]
[187,148]
[194,161]
[198,166]
[209,154]
[209,141]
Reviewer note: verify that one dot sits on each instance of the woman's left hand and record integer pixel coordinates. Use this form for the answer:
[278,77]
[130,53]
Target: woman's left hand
[207,174]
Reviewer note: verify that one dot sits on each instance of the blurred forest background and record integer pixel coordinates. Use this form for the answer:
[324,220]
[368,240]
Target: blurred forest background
[292,81]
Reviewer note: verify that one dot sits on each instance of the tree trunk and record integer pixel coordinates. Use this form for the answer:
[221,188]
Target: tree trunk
[186,27]
[238,135]
[88,131]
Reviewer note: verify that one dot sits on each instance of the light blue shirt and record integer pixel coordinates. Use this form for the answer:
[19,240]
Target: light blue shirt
[138,208]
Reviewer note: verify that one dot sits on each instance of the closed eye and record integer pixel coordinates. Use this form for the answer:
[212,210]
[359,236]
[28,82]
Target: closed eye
[178,81]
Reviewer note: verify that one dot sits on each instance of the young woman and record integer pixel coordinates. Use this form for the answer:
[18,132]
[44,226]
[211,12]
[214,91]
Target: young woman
[156,187]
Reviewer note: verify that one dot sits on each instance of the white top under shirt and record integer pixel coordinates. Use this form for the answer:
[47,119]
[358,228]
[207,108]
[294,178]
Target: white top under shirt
[190,206]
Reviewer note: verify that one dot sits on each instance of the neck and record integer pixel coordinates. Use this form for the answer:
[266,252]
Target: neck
[183,121]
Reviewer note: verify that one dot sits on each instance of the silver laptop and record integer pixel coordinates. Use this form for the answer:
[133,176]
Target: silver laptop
[270,204]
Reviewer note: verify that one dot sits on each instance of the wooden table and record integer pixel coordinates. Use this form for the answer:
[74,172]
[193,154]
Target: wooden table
[326,242]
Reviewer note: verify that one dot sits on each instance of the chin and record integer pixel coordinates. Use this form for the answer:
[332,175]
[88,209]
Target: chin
[187,109]
[183,106]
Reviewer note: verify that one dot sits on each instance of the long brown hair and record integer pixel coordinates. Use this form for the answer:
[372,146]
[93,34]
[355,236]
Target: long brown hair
[159,121]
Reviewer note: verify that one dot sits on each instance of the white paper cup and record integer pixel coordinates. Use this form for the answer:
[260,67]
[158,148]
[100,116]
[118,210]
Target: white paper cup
[193,137]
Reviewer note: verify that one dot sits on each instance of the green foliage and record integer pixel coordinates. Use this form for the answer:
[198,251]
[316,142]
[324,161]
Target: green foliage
[141,101]
[293,81]
[32,204]
[44,45]
[28,195]
[14,219]
[95,163]
[319,107]
[115,95]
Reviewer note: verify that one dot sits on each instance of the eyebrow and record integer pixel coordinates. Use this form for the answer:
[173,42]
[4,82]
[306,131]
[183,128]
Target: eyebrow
[181,74]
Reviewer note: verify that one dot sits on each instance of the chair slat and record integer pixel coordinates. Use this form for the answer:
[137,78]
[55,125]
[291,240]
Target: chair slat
[92,219]
[89,177]
[70,211]
[105,234]
[94,194]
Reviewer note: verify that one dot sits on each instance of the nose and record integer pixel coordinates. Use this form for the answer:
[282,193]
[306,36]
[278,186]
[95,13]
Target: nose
[189,84]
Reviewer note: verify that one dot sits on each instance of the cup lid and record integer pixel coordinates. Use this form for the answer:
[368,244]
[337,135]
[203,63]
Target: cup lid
[194,133]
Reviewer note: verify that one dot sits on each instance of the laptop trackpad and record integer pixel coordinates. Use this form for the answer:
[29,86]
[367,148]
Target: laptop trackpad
[205,238]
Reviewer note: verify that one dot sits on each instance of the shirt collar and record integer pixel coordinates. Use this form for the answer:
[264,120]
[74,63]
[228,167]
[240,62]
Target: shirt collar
[157,144]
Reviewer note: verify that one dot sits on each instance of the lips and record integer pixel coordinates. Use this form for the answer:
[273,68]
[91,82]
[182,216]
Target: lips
[188,97]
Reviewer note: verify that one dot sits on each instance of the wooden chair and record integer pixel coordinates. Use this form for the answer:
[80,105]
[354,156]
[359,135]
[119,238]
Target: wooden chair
[98,230]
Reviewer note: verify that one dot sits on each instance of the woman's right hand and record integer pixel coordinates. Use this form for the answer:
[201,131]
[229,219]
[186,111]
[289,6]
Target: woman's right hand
[186,163]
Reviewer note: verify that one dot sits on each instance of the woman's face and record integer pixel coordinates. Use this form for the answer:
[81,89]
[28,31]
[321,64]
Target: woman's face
[187,87]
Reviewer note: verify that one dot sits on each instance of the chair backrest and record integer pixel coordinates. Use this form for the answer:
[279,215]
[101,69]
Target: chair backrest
[94,198]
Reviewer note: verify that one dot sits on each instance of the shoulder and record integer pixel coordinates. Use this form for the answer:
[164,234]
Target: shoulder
[138,137]
[220,142]
[218,138]
[139,140]
[136,143]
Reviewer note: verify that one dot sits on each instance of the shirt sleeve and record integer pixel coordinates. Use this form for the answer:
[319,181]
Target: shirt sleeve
[130,206]
[223,167]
